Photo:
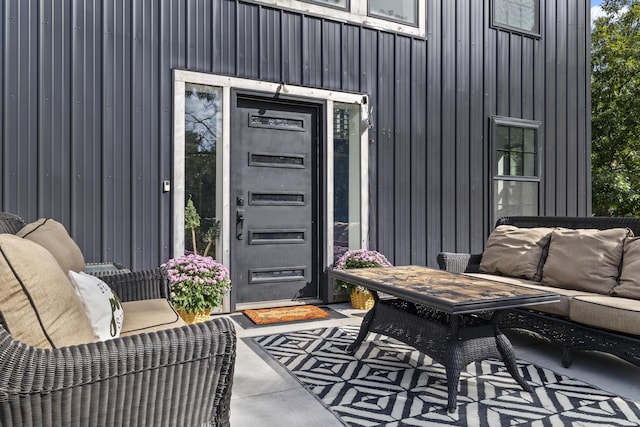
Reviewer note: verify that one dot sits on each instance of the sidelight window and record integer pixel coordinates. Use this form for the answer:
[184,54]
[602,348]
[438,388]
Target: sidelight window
[346,178]
[202,143]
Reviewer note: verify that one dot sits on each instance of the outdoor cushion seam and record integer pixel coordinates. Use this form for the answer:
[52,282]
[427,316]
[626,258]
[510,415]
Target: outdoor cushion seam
[157,324]
[607,306]
[37,227]
[28,295]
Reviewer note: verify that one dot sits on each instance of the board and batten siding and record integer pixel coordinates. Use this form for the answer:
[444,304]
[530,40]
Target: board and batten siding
[86,111]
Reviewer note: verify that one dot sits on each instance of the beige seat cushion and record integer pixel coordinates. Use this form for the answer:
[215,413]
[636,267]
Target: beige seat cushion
[148,316]
[54,237]
[616,314]
[516,252]
[560,308]
[584,259]
[629,286]
[39,304]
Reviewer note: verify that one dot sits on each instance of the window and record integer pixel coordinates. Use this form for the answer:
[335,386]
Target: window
[340,4]
[516,168]
[346,178]
[517,15]
[403,16]
[405,11]
[202,139]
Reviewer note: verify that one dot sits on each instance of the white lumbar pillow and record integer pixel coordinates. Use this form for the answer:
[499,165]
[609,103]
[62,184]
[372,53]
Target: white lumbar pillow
[101,304]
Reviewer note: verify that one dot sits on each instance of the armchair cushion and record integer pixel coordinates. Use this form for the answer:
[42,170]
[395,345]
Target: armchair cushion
[37,301]
[54,237]
[516,252]
[585,259]
[101,305]
[629,286]
[149,315]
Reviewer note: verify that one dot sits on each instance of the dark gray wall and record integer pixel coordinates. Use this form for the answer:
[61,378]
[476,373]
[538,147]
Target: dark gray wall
[86,111]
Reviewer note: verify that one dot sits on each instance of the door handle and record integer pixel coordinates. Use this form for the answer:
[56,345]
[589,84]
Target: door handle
[239,224]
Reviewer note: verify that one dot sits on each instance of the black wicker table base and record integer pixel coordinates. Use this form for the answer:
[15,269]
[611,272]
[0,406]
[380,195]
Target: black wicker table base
[452,340]
[445,315]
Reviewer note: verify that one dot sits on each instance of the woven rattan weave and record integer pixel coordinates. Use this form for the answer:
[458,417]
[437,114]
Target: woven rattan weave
[561,331]
[443,315]
[174,377]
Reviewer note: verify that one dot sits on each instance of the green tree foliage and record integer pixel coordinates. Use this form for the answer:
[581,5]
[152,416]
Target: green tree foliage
[615,86]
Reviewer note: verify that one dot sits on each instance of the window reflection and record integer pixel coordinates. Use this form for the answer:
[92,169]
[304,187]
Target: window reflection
[203,135]
[405,11]
[341,4]
[519,14]
[346,179]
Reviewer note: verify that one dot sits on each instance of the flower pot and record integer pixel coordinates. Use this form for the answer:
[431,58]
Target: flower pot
[361,300]
[191,318]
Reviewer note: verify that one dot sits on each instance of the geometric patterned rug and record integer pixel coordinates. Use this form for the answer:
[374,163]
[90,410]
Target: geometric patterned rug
[388,383]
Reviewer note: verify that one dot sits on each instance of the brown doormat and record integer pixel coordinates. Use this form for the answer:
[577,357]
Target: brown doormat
[265,316]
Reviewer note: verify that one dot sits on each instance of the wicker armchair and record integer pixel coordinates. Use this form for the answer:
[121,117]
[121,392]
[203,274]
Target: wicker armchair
[174,377]
[10,223]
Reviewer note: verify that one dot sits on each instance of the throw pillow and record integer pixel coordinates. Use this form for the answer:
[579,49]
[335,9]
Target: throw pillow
[37,300]
[54,237]
[516,252]
[585,259]
[629,286]
[101,305]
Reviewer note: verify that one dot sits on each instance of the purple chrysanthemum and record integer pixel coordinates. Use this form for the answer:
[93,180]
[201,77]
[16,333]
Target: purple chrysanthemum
[197,282]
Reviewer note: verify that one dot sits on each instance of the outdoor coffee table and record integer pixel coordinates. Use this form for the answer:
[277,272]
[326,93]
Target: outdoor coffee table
[448,316]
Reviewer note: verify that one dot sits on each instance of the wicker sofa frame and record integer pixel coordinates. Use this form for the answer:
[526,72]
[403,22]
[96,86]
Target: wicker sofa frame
[175,377]
[561,331]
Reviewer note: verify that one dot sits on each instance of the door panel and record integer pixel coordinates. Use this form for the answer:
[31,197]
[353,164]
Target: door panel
[274,200]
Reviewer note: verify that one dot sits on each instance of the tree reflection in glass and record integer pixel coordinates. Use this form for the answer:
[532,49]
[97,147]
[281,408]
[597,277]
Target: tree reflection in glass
[203,132]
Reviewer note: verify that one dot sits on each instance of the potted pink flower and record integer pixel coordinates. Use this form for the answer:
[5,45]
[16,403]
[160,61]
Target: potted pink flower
[198,284]
[359,258]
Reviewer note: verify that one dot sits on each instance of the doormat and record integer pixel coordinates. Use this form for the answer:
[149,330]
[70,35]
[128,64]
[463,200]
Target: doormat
[296,313]
[388,383]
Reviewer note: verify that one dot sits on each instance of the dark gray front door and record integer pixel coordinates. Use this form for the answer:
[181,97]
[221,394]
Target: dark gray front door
[274,200]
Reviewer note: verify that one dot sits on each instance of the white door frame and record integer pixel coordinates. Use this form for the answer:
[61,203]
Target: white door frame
[182,77]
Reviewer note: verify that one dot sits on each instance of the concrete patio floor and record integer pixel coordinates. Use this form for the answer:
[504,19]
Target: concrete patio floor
[265,394]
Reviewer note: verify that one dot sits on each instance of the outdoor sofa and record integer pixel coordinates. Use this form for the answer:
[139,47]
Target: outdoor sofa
[592,263]
[54,372]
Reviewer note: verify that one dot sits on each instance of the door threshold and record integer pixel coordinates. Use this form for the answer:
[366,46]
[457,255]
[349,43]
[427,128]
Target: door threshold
[275,303]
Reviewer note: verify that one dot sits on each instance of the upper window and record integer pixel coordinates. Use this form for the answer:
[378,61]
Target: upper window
[516,167]
[340,4]
[403,16]
[517,15]
[405,11]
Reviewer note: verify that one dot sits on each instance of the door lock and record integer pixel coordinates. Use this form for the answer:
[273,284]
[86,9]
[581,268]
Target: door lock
[240,201]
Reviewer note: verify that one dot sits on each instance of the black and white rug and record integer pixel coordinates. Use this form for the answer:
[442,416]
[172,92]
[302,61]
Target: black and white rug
[387,383]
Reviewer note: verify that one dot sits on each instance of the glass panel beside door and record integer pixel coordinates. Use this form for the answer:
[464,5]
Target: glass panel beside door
[346,179]
[203,142]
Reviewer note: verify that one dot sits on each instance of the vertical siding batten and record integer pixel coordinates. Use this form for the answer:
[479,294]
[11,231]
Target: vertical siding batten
[476,118]
[418,153]
[433,101]
[402,150]
[448,166]
[462,73]
[385,147]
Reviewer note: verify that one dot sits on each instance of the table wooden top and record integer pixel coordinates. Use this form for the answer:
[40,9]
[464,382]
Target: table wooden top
[449,292]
